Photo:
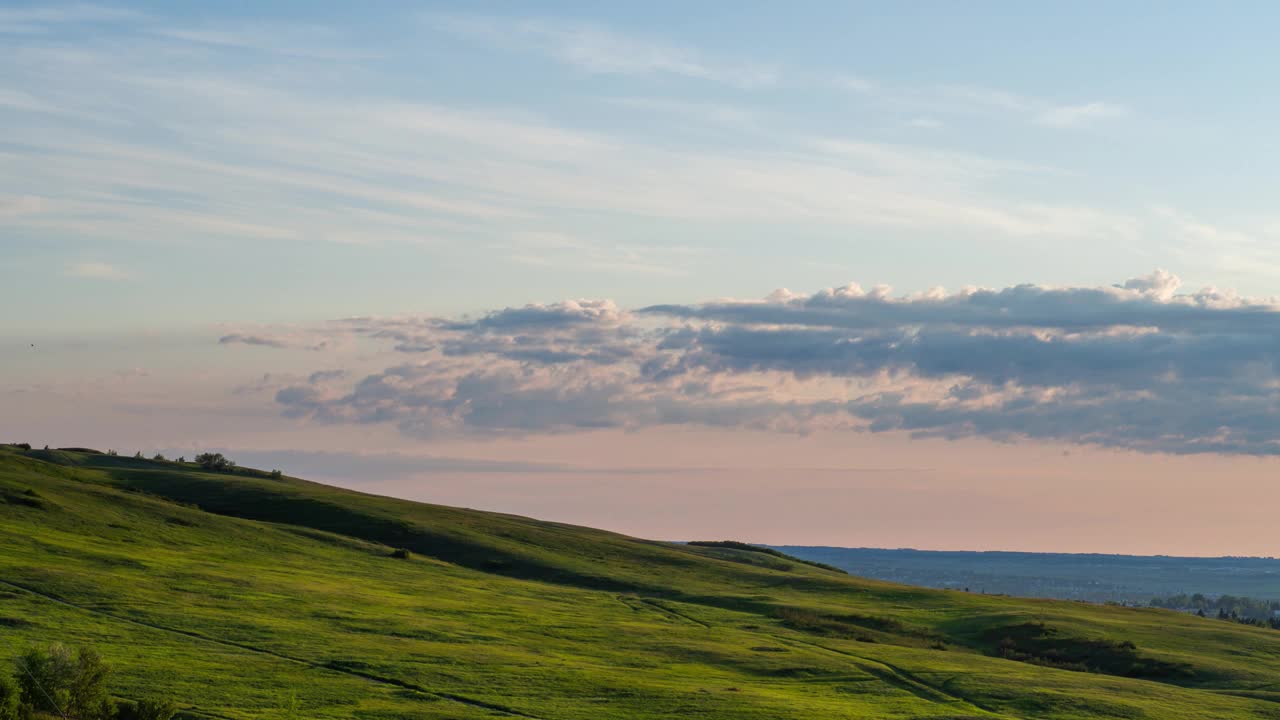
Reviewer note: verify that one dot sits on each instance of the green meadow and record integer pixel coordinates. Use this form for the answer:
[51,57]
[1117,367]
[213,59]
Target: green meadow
[243,595]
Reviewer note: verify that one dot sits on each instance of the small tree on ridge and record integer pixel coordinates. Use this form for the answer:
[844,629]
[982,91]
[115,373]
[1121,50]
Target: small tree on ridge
[214,461]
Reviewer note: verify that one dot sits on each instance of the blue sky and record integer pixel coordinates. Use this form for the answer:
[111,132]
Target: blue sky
[311,160]
[494,238]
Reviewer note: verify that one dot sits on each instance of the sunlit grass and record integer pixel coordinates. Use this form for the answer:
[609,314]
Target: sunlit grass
[243,596]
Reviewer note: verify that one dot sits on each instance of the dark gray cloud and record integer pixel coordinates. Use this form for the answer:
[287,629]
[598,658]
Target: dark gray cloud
[276,341]
[1149,301]
[570,313]
[1137,365]
[263,340]
[1177,421]
[1129,360]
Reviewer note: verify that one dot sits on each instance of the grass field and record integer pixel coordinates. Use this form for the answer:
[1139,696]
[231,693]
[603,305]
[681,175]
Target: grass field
[242,596]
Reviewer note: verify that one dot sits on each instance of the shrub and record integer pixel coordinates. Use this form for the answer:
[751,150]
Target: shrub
[401,554]
[846,626]
[1039,644]
[182,458]
[55,681]
[23,446]
[215,461]
[147,709]
[112,453]
[276,474]
[159,457]
[137,455]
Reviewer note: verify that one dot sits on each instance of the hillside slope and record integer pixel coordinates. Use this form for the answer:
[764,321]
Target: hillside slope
[241,594]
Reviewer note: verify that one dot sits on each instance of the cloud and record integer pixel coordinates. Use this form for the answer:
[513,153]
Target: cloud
[1141,303]
[967,99]
[600,50]
[262,151]
[569,313]
[1073,116]
[96,271]
[36,18]
[560,250]
[318,43]
[19,205]
[260,340]
[283,340]
[1137,365]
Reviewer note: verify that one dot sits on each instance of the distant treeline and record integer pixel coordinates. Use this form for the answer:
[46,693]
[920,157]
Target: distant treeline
[1250,611]
[212,461]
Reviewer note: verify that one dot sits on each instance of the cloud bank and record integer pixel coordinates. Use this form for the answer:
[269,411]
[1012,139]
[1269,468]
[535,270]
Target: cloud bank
[1139,365]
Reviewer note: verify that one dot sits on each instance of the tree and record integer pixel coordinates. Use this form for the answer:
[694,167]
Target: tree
[214,461]
[55,681]
[137,455]
[159,457]
[10,697]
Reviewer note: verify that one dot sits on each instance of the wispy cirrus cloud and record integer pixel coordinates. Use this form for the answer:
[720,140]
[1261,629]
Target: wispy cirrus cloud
[602,50]
[35,19]
[597,49]
[1072,116]
[17,205]
[299,41]
[378,170]
[96,271]
[1040,111]
[233,153]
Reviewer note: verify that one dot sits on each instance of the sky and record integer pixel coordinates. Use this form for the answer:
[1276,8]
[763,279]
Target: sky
[936,275]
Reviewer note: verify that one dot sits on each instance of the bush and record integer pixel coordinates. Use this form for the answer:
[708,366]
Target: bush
[55,681]
[137,455]
[23,446]
[159,457]
[10,696]
[276,474]
[215,462]
[112,453]
[401,554]
[146,709]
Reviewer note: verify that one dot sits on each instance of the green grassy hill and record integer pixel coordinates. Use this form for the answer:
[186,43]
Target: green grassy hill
[242,594]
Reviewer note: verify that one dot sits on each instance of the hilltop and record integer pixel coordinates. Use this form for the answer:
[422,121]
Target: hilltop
[242,593]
